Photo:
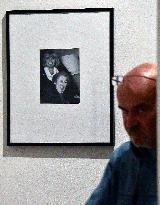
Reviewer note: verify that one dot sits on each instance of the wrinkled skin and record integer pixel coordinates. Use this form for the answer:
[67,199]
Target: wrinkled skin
[137,100]
[61,83]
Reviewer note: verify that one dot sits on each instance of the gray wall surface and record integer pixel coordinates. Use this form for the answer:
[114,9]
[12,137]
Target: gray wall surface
[67,175]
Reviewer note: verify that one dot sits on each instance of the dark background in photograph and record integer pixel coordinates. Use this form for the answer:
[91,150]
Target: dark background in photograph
[59,76]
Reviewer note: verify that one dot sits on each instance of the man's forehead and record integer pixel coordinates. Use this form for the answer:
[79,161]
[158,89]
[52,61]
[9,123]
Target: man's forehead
[136,84]
[134,95]
[62,77]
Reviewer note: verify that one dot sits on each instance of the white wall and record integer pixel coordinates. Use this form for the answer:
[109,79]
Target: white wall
[67,175]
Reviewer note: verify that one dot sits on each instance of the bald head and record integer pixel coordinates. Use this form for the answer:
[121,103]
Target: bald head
[140,78]
[137,100]
[146,69]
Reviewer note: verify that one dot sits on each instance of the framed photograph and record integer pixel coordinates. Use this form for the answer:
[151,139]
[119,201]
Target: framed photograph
[59,69]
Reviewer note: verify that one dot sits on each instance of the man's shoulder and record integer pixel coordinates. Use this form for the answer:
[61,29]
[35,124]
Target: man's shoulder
[124,152]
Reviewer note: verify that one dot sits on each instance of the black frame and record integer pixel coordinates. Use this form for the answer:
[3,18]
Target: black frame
[111,45]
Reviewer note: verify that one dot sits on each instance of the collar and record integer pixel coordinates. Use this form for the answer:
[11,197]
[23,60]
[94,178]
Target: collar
[48,74]
[144,153]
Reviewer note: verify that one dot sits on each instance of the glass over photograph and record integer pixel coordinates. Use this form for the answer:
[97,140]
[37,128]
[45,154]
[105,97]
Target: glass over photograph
[63,94]
[59,76]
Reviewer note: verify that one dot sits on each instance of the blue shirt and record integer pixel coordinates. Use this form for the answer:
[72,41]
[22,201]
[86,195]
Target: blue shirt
[130,178]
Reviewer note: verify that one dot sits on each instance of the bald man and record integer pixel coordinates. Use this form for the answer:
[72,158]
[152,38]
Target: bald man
[130,176]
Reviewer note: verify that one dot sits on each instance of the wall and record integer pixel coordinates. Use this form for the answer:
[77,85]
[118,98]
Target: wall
[67,175]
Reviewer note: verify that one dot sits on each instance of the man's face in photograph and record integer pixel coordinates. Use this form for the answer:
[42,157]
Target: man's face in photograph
[61,83]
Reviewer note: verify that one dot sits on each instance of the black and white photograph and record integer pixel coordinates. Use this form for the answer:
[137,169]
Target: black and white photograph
[60,64]
[59,76]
